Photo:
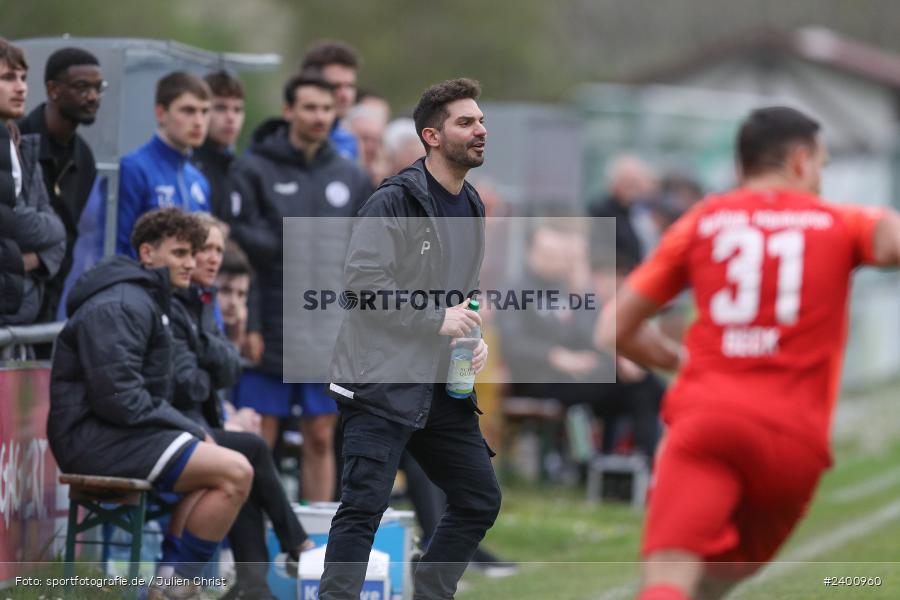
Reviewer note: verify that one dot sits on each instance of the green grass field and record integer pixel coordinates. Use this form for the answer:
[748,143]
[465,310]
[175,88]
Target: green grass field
[572,550]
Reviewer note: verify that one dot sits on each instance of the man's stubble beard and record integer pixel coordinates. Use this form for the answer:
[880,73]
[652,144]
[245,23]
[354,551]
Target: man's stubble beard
[459,154]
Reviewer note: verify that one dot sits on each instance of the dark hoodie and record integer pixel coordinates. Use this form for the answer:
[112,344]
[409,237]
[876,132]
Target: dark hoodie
[275,180]
[110,386]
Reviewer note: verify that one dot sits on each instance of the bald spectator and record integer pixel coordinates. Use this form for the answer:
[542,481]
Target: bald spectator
[402,145]
[631,181]
[376,102]
[367,125]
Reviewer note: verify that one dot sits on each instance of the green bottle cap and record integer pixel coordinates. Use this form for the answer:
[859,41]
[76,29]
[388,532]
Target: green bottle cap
[474,304]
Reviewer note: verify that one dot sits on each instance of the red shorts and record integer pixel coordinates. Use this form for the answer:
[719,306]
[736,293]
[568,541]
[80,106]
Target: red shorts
[730,490]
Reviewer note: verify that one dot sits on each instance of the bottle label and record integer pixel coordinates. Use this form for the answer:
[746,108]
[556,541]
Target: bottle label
[461,376]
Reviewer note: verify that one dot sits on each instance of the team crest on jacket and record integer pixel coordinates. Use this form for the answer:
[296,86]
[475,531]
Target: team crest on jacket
[286,189]
[235,203]
[165,196]
[197,193]
[337,193]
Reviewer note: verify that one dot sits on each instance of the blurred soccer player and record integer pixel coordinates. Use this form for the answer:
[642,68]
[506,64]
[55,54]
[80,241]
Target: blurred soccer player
[750,412]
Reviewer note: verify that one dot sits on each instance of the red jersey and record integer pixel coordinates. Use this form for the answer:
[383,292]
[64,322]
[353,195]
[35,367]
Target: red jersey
[770,272]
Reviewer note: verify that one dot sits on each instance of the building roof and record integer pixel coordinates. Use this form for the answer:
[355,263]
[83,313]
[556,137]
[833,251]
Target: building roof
[815,44]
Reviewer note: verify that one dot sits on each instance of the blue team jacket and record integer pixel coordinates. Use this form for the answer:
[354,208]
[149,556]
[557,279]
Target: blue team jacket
[156,176]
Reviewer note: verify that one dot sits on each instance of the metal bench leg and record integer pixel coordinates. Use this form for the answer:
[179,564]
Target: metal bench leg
[71,538]
[138,513]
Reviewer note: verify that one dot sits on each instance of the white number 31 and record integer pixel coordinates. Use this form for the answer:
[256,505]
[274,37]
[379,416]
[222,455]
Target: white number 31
[744,270]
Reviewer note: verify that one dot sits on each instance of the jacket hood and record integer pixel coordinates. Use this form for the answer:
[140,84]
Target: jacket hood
[414,180]
[110,271]
[270,140]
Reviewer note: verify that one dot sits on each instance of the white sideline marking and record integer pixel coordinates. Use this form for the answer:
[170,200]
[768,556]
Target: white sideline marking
[866,488]
[805,553]
[830,541]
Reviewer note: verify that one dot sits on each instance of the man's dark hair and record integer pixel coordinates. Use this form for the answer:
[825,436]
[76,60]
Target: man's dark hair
[64,58]
[234,261]
[330,52]
[173,85]
[224,85]
[311,77]
[12,55]
[765,137]
[431,111]
[155,226]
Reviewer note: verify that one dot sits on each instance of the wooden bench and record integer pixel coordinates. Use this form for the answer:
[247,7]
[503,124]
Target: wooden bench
[116,501]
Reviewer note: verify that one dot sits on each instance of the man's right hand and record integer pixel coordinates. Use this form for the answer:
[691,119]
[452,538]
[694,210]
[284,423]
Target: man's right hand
[577,363]
[253,347]
[31,261]
[459,320]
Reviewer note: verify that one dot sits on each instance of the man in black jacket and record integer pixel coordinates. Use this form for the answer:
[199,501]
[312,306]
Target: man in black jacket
[110,390]
[214,157]
[292,170]
[205,363]
[403,242]
[74,87]
[551,353]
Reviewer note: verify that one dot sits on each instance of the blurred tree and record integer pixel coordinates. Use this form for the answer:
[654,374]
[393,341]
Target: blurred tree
[519,49]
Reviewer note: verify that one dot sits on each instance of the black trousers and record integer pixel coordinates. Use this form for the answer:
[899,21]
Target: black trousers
[452,451]
[267,496]
[638,400]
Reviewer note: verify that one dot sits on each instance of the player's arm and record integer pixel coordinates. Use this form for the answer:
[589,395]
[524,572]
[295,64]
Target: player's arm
[624,328]
[886,239]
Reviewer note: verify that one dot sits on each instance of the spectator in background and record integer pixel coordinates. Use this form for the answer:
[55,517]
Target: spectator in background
[110,391]
[368,124]
[402,145]
[205,364]
[338,63]
[233,283]
[551,353]
[74,87]
[12,267]
[292,170]
[374,101]
[36,229]
[631,181]
[214,157]
[159,174]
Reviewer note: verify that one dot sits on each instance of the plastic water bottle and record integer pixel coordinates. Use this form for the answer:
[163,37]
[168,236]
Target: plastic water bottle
[461,375]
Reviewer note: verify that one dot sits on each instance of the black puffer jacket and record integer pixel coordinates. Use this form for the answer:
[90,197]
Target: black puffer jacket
[388,252]
[274,180]
[110,386]
[205,360]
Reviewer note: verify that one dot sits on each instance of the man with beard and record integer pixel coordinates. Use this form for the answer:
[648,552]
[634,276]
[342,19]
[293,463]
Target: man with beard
[387,362]
[74,87]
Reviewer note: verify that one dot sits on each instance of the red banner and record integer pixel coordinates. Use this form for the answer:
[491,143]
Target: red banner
[29,513]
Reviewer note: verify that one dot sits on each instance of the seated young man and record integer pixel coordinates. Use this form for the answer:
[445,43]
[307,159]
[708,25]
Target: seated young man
[206,362]
[111,384]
